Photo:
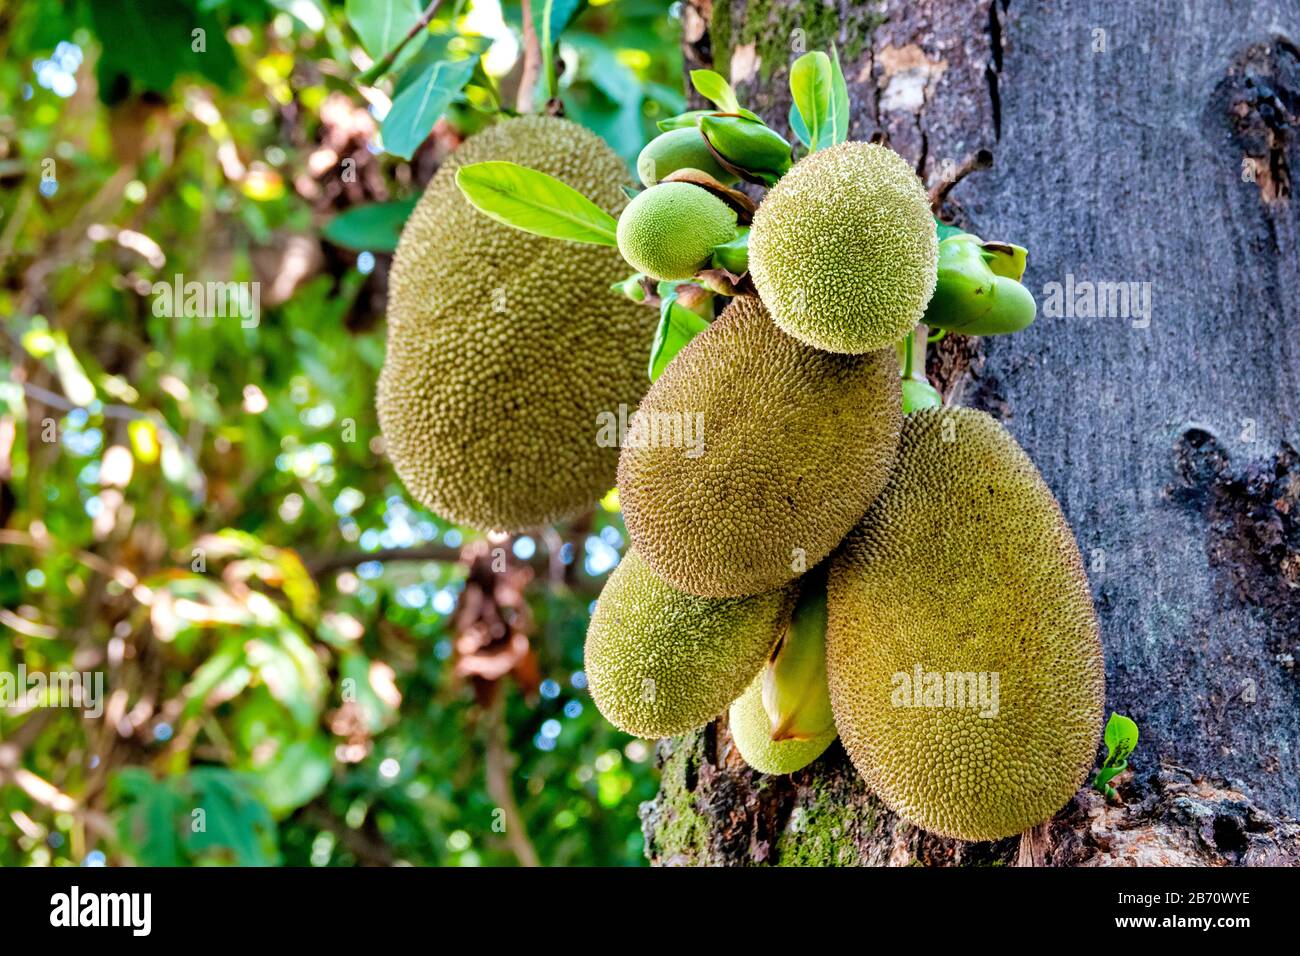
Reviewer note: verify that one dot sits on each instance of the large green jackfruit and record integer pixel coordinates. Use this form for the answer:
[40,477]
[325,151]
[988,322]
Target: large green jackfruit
[843,249]
[661,662]
[504,347]
[788,445]
[963,653]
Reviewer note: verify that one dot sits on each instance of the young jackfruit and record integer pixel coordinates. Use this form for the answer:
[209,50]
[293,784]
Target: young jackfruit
[678,149]
[670,230]
[660,662]
[503,347]
[843,250]
[751,729]
[963,652]
[788,446]
[783,722]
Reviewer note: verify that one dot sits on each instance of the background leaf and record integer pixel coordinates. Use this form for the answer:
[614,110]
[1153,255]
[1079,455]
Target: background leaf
[380,24]
[418,107]
[376,226]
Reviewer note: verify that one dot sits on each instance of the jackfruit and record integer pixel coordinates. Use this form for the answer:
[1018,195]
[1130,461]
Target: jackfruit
[504,347]
[843,249]
[678,149]
[669,230]
[660,662]
[783,722]
[755,454]
[751,729]
[963,652]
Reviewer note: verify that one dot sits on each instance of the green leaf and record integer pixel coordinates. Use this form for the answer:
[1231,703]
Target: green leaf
[417,108]
[146,44]
[683,120]
[381,24]
[436,46]
[733,255]
[716,90]
[236,827]
[295,775]
[375,227]
[797,126]
[535,202]
[1121,738]
[148,817]
[562,14]
[810,87]
[839,101]
[677,326]
[946,231]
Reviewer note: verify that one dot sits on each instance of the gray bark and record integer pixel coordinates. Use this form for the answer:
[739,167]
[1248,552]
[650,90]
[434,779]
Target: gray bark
[1150,143]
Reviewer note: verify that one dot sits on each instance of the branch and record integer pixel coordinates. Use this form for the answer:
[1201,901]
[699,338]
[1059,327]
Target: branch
[380,68]
[497,770]
[532,63]
[980,159]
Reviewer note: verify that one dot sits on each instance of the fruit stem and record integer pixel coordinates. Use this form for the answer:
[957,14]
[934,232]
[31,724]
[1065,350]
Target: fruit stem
[914,361]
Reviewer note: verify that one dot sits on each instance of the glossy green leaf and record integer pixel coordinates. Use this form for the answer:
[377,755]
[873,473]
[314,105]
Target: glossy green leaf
[535,202]
[811,80]
[839,111]
[1121,738]
[411,117]
[716,90]
[677,326]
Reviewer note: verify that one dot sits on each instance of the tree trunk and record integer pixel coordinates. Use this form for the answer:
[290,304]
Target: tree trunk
[1136,143]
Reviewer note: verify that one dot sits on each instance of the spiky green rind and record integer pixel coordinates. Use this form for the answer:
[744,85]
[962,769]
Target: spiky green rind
[661,662]
[965,566]
[797,442]
[751,728]
[669,230]
[843,249]
[503,347]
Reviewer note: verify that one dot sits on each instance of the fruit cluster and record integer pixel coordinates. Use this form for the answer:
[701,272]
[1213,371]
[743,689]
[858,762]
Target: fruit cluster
[836,555]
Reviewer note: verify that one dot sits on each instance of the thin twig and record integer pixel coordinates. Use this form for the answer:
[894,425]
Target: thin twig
[980,159]
[497,771]
[532,63]
[380,68]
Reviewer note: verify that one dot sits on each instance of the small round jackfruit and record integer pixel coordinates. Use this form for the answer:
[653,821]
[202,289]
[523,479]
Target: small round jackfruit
[844,251]
[660,662]
[963,652]
[679,149]
[751,729]
[504,347]
[670,230]
[755,455]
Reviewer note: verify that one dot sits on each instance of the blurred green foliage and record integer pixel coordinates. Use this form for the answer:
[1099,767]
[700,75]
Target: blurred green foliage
[189,502]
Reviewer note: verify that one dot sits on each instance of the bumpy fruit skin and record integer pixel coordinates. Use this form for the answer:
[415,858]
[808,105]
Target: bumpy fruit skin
[844,251]
[669,230]
[965,564]
[504,347]
[679,149]
[660,662]
[797,443]
[751,729]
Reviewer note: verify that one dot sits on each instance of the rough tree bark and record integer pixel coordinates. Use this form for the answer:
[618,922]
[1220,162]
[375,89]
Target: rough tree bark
[1152,143]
